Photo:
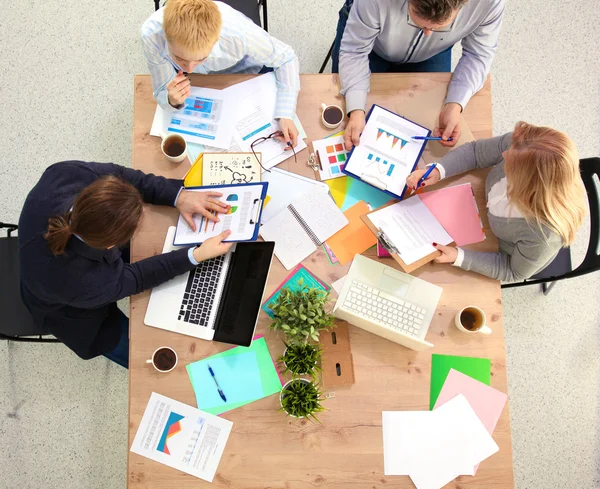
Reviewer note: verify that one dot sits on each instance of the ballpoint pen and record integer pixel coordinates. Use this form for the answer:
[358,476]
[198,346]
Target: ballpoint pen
[429,138]
[217,384]
[424,177]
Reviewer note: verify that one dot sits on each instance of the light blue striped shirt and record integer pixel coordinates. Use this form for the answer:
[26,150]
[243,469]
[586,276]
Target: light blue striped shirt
[243,47]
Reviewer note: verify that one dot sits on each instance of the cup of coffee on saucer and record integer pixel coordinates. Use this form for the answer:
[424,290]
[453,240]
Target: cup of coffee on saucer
[164,359]
[174,147]
[470,320]
[332,116]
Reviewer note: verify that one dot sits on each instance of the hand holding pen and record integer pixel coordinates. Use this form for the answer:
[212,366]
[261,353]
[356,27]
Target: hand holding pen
[422,178]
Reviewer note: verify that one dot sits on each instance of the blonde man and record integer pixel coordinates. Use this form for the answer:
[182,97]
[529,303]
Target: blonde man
[202,36]
[536,199]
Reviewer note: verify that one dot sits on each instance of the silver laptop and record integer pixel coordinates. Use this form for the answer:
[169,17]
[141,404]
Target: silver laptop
[218,300]
[388,303]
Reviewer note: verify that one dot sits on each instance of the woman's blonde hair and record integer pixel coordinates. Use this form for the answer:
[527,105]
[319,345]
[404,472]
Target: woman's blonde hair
[192,25]
[542,170]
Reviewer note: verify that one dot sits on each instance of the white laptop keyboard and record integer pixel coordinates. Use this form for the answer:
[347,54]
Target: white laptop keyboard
[383,308]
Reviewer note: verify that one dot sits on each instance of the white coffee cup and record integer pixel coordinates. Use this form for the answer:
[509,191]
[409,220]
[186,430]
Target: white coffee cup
[471,319]
[174,147]
[332,110]
[164,359]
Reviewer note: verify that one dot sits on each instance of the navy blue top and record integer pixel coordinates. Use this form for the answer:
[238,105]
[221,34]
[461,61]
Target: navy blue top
[74,295]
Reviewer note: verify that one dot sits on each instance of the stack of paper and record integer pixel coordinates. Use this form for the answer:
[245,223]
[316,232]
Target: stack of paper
[435,447]
[244,374]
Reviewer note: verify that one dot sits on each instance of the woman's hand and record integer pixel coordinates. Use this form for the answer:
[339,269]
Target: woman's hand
[449,254]
[289,133]
[190,203]
[414,177]
[213,247]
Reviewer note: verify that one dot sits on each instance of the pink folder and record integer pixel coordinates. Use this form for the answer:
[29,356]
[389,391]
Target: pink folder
[486,401]
[456,210]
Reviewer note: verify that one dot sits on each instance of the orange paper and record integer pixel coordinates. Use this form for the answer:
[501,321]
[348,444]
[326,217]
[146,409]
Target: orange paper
[355,238]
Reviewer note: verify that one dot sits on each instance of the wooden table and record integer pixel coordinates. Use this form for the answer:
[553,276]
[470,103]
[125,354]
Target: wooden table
[266,448]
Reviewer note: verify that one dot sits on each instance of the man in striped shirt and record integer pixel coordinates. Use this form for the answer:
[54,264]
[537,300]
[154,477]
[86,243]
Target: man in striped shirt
[202,36]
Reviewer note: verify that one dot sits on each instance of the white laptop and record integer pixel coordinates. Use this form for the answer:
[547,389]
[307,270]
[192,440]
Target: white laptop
[219,300]
[388,303]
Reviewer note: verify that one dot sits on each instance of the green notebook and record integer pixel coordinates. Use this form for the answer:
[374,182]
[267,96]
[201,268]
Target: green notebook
[478,368]
[262,378]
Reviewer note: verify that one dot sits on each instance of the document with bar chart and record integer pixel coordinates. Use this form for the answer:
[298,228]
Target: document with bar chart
[386,154]
[181,437]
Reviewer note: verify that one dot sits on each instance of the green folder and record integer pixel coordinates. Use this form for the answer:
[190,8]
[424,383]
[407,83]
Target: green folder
[269,377]
[478,368]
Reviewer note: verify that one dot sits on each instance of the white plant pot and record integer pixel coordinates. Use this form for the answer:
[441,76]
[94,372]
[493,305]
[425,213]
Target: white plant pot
[283,392]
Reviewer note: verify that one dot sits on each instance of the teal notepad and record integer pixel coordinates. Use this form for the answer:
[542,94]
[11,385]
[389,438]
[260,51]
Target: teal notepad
[245,374]
[477,368]
[293,282]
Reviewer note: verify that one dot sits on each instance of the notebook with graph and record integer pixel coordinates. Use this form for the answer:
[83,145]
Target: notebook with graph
[303,226]
[242,219]
[386,154]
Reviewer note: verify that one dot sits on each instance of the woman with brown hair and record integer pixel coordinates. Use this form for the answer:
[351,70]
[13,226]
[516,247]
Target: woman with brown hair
[74,233]
[536,199]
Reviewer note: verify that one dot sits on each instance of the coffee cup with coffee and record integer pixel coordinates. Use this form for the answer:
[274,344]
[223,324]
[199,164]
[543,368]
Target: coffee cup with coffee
[471,319]
[164,359]
[332,116]
[174,147]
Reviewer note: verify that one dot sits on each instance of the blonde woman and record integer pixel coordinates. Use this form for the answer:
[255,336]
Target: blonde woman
[535,199]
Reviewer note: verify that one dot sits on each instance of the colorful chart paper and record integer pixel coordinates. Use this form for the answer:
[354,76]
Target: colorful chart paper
[267,373]
[332,156]
[292,281]
[477,368]
[348,191]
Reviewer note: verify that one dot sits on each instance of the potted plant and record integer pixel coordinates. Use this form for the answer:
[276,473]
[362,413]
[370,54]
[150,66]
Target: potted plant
[301,314]
[301,398]
[301,359]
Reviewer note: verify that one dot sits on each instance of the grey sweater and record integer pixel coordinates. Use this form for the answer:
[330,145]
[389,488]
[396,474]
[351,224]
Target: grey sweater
[382,26]
[524,250]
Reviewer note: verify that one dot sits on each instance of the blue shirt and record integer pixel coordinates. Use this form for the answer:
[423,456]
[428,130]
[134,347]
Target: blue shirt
[243,47]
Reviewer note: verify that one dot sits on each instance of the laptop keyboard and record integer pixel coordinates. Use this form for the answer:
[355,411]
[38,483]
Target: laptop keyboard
[380,307]
[200,292]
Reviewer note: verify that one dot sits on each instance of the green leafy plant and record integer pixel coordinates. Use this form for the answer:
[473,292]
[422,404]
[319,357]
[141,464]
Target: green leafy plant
[301,358]
[302,398]
[301,314]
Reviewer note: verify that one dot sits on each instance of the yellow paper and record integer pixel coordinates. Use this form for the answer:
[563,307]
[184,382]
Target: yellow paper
[193,178]
[337,188]
[355,238]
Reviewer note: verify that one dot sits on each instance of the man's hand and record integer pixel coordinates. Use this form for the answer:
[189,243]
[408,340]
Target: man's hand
[449,254]
[213,247]
[178,89]
[289,133]
[354,128]
[190,203]
[449,124]
[414,177]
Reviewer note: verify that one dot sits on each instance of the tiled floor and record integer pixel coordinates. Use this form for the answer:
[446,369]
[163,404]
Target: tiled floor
[66,92]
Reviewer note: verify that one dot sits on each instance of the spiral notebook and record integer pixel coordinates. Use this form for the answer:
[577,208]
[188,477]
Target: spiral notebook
[300,228]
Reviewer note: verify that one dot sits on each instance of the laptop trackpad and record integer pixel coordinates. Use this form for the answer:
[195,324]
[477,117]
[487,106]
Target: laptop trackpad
[393,282]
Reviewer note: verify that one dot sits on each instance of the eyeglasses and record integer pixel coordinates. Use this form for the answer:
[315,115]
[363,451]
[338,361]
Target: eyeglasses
[262,140]
[410,22]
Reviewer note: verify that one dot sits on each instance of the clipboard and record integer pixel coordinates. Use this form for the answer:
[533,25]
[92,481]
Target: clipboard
[391,249]
[373,181]
[255,212]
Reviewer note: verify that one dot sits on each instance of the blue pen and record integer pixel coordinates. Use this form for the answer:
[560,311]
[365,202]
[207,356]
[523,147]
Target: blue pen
[424,177]
[427,138]
[217,383]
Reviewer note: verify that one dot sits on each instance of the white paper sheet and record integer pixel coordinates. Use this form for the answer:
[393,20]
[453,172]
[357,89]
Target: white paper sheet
[434,447]
[241,218]
[386,154]
[181,437]
[255,109]
[411,227]
[338,284]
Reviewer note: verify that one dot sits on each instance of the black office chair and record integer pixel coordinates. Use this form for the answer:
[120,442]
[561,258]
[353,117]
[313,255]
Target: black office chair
[16,324]
[561,268]
[250,8]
